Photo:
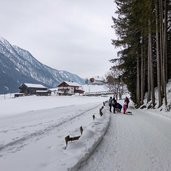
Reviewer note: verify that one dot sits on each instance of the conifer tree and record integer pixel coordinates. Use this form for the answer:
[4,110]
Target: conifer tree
[144,28]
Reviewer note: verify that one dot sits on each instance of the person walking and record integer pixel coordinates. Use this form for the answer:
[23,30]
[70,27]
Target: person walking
[114,103]
[110,104]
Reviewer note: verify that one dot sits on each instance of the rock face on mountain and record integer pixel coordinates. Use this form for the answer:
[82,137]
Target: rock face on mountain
[19,66]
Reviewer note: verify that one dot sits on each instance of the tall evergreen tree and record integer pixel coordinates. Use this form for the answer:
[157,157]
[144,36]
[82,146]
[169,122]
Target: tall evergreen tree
[144,28]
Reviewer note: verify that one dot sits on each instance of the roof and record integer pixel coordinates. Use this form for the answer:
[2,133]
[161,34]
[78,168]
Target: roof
[71,83]
[34,85]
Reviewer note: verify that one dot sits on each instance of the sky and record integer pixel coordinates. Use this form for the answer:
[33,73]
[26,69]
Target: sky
[71,35]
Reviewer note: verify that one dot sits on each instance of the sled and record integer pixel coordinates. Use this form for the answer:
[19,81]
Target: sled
[129,113]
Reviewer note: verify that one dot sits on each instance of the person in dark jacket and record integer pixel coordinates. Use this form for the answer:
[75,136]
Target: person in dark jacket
[114,102]
[118,107]
[110,104]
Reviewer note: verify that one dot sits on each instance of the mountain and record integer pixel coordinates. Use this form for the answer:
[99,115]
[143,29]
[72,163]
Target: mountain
[19,66]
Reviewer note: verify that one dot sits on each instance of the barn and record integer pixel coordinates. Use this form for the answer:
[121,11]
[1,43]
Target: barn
[34,89]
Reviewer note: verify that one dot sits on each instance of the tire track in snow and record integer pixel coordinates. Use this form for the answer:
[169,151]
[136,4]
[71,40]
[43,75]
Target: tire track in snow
[19,143]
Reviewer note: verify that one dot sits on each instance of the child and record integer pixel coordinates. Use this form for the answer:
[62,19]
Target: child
[124,108]
[126,101]
[118,107]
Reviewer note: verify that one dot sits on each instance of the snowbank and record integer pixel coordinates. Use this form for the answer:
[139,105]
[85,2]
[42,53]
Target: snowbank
[162,110]
[81,150]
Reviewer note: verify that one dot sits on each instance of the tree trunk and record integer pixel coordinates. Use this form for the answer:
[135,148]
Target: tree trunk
[138,82]
[150,68]
[142,73]
[151,64]
[158,57]
[165,50]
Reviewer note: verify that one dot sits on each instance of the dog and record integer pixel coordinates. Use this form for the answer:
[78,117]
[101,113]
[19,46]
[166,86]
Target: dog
[81,130]
[100,111]
[68,138]
[94,117]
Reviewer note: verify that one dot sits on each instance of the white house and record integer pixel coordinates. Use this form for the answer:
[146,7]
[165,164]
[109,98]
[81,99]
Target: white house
[69,88]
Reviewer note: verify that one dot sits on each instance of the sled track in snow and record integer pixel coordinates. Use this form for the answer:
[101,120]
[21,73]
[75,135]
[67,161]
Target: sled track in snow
[19,143]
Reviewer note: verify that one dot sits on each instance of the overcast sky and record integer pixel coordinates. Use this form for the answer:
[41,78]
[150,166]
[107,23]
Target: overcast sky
[71,35]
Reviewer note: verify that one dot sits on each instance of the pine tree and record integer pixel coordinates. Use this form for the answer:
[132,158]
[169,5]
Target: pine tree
[144,28]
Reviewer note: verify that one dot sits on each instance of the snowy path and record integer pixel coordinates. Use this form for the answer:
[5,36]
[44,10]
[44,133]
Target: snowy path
[140,142]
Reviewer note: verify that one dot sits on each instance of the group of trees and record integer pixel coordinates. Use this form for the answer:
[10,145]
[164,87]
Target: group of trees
[144,34]
[115,83]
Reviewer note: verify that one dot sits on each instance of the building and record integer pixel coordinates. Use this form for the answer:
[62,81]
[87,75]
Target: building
[97,80]
[34,89]
[69,88]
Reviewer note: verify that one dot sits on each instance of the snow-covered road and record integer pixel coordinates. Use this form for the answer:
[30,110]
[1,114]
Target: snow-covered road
[138,142]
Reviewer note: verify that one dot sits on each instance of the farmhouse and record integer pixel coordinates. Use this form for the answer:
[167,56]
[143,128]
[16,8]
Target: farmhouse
[69,88]
[37,89]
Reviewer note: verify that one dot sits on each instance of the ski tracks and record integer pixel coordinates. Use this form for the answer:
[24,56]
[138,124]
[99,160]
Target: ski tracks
[23,136]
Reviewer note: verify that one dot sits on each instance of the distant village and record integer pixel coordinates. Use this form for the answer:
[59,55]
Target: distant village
[63,89]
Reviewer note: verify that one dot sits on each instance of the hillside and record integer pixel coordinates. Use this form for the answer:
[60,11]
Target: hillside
[18,66]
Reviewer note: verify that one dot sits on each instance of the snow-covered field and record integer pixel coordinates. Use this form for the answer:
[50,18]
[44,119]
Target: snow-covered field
[32,131]
[95,88]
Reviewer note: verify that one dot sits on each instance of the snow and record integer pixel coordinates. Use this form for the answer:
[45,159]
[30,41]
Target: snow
[95,88]
[13,106]
[33,131]
[133,142]
[34,85]
[72,83]
[164,110]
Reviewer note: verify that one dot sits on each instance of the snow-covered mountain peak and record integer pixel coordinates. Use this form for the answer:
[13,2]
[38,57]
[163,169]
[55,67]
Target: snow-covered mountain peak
[6,47]
[19,66]
[2,39]
[4,42]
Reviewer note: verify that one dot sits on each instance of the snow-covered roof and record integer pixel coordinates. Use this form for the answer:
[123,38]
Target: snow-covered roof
[72,84]
[98,78]
[34,85]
